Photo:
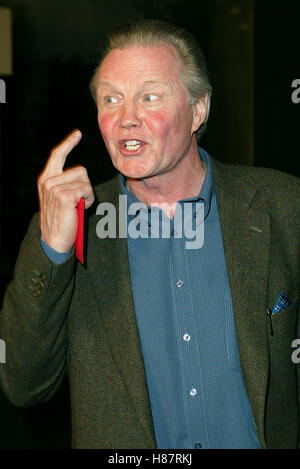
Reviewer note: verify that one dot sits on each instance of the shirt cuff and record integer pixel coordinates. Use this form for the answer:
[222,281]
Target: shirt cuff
[55,256]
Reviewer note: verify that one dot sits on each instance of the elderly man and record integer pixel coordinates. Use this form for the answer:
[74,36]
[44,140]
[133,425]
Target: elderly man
[164,346]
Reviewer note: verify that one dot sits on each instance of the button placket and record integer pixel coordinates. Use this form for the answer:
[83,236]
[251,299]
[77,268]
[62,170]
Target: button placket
[192,375]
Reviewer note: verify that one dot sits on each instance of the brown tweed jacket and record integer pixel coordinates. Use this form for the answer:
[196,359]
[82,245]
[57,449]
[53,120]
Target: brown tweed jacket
[80,320]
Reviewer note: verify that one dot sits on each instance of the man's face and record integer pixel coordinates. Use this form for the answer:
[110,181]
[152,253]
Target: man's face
[143,111]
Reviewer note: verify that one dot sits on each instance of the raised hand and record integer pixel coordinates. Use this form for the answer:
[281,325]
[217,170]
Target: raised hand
[59,192]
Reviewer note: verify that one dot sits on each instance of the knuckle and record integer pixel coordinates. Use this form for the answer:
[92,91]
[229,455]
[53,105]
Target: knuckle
[56,191]
[47,185]
[82,172]
[87,186]
[87,189]
[41,178]
[62,196]
[54,151]
[39,183]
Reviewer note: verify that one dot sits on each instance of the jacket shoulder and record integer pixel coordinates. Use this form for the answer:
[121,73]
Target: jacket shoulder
[273,185]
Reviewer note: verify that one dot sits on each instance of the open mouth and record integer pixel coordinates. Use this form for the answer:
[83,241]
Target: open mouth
[130,146]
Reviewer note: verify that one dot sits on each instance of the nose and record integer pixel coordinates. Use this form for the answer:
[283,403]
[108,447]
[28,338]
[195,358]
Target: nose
[129,115]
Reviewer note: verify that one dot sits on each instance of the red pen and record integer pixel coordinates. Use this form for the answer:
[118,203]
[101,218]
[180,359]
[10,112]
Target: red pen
[80,231]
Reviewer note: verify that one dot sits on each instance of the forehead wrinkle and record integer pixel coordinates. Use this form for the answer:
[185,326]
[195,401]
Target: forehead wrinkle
[142,85]
[155,81]
[105,83]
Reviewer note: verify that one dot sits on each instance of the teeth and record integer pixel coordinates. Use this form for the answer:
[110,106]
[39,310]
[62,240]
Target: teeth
[132,145]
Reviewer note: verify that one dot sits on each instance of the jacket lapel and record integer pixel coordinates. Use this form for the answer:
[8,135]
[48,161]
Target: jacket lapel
[245,230]
[108,265]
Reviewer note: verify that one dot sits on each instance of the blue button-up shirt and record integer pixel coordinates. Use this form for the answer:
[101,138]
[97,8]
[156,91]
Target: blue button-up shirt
[186,324]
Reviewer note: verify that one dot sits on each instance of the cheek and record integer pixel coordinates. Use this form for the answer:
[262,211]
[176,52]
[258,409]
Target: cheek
[161,124]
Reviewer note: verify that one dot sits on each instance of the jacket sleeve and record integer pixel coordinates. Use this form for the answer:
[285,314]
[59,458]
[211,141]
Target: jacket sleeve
[33,323]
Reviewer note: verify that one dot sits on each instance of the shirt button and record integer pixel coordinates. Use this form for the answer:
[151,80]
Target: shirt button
[179,283]
[198,445]
[193,392]
[187,337]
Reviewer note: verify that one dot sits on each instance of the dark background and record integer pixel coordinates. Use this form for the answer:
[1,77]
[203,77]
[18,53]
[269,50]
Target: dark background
[253,57]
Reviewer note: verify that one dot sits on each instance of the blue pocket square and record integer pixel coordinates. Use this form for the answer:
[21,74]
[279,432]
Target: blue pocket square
[282,303]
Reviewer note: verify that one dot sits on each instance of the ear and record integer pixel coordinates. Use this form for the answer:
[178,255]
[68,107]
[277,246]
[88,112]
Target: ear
[200,112]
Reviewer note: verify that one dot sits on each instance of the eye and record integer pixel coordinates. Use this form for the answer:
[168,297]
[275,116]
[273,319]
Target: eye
[110,99]
[150,97]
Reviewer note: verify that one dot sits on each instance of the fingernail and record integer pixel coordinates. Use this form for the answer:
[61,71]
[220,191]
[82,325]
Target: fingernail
[77,133]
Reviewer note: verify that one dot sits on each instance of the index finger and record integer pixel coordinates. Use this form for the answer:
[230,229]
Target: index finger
[59,153]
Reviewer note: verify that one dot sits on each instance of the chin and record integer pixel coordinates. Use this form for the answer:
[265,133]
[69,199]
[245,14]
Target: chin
[131,170]
[135,174]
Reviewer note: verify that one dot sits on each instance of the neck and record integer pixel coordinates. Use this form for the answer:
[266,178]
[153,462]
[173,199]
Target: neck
[182,182]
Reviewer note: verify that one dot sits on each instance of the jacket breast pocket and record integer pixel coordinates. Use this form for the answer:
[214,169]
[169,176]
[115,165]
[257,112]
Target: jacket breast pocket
[283,326]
